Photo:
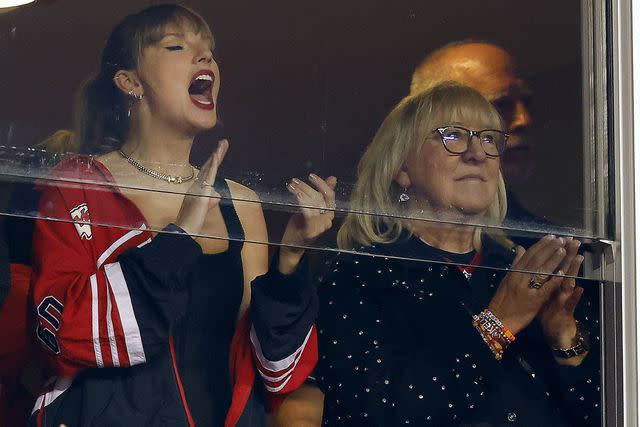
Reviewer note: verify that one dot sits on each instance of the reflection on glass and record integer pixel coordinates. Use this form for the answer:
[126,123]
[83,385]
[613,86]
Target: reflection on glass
[412,343]
[457,139]
[486,67]
[297,99]
[142,326]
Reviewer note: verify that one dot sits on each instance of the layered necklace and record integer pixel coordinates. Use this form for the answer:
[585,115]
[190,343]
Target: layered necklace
[171,179]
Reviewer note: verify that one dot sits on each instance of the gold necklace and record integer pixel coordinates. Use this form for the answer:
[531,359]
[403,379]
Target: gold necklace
[158,175]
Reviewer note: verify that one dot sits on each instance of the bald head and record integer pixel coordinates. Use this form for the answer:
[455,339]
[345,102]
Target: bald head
[492,71]
[473,64]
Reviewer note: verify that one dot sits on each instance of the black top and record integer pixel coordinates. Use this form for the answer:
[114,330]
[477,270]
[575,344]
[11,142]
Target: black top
[214,300]
[199,314]
[185,304]
[397,347]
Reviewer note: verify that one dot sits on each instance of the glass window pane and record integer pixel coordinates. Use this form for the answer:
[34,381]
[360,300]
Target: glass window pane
[408,147]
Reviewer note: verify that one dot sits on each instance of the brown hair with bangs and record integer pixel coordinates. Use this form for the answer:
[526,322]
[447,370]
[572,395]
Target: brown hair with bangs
[102,122]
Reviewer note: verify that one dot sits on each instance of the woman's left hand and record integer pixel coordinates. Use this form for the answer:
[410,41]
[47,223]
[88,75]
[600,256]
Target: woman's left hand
[314,218]
[557,316]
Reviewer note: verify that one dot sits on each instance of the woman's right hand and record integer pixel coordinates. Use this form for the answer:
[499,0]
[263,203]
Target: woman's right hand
[516,303]
[202,195]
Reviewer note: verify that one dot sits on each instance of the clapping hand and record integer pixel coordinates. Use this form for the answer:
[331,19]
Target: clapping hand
[521,296]
[202,196]
[315,216]
[557,315]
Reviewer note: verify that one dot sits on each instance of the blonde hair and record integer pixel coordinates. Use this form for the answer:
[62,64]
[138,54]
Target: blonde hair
[375,215]
[62,141]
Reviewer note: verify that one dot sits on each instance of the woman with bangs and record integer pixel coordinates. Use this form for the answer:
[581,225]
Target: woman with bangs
[451,339]
[141,282]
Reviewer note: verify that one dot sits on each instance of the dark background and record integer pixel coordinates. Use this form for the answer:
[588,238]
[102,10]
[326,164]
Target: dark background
[306,83]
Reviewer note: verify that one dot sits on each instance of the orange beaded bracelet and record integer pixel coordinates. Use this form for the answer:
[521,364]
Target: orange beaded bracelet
[493,332]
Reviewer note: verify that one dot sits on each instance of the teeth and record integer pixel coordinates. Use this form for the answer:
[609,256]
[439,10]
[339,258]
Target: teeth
[204,77]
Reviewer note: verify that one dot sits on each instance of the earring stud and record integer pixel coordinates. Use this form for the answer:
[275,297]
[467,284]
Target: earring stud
[404,197]
[135,95]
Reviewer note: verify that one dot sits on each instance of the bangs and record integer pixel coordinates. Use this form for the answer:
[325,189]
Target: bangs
[159,19]
[453,103]
[462,113]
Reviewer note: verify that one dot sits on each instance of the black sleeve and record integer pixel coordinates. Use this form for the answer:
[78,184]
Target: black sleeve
[579,388]
[156,276]
[283,309]
[575,389]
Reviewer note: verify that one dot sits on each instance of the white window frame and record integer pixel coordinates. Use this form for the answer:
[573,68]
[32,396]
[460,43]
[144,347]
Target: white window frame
[620,309]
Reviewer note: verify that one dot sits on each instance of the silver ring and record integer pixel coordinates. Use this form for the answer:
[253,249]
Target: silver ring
[534,284]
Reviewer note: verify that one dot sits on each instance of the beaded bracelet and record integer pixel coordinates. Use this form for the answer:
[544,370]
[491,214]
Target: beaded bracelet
[493,332]
[507,333]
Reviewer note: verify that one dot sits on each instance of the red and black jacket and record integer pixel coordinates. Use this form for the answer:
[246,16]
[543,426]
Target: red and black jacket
[107,293]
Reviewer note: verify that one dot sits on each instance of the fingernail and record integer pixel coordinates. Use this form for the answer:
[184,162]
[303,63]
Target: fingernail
[561,240]
[569,238]
[296,181]
[549,237]
[580,258]
[560,273]
[314,176]
[291,184]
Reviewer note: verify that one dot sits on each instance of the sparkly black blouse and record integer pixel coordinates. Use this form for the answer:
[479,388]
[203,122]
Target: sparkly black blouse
[397,347]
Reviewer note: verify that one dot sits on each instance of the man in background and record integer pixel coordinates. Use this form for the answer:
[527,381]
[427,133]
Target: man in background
[492,71]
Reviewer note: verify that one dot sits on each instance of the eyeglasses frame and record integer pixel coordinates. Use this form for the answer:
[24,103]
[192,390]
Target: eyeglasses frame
[472,133]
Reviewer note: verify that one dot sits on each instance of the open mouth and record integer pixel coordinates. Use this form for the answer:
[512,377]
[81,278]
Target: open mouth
[200,90]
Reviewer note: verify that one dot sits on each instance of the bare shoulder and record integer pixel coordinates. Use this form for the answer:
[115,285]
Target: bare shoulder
[241,192]
[245,200]
[247,204]
[114,162]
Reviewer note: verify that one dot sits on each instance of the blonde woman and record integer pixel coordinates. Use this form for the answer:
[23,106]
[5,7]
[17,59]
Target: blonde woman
[443,342]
